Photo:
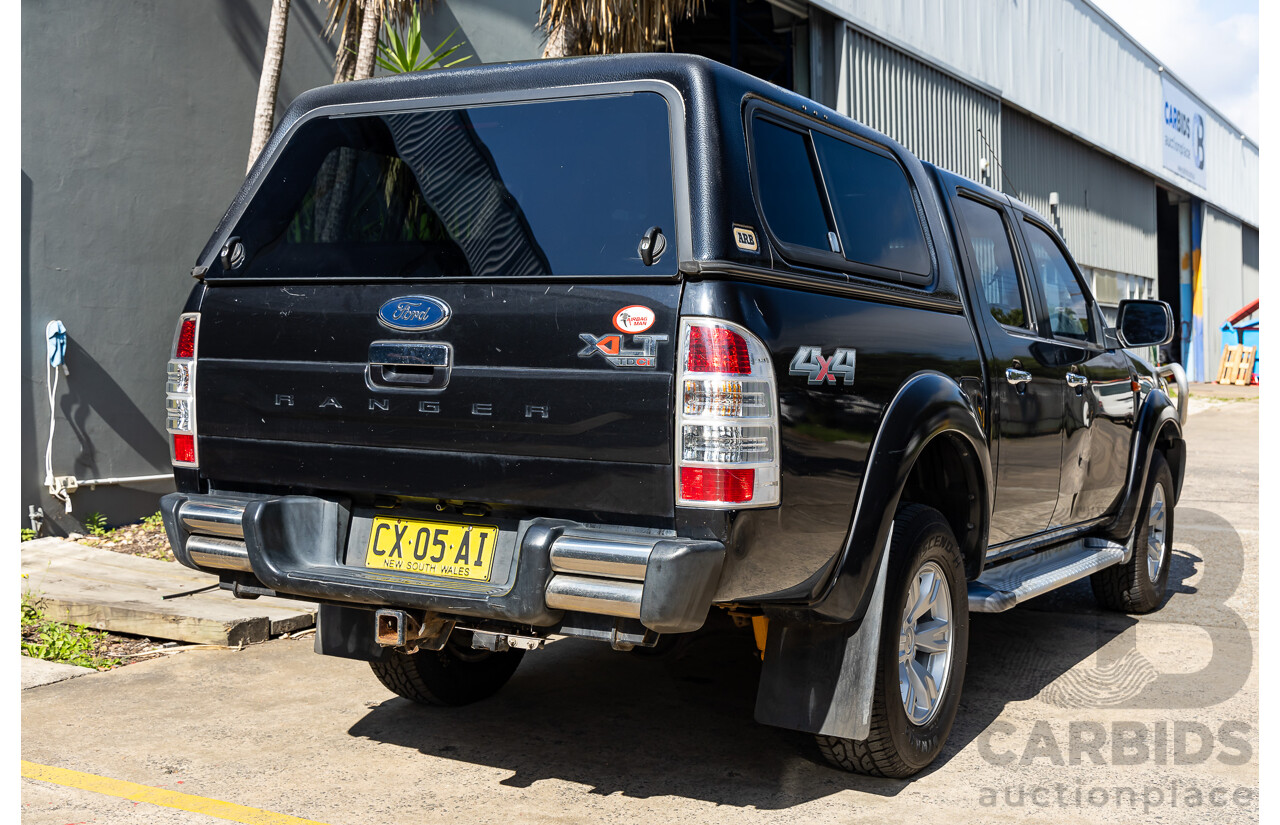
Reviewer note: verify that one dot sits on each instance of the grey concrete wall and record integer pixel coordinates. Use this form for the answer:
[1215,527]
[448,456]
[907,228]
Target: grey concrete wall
[136,117]
[495,31]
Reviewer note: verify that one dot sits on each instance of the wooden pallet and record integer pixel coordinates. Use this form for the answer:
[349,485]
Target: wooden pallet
[1236,365]
[123,594]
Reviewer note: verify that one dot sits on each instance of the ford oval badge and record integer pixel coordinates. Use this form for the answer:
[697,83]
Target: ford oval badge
[414,313]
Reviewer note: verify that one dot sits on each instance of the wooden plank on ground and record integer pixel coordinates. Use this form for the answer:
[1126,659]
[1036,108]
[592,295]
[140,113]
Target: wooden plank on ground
[124,594]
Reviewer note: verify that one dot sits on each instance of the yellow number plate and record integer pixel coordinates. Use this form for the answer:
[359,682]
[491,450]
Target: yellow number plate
[455,551]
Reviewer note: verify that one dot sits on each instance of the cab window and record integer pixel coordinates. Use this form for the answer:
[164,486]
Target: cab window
[1064,295]
[788,186]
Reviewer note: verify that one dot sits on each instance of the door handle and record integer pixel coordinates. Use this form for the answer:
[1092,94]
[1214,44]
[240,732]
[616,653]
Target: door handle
[409,353]
[1075,379]
[1016,377]
[408,365]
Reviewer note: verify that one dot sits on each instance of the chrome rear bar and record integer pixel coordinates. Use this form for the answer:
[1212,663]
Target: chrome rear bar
[615,558]
[602,596]
[213,518]
[218,553]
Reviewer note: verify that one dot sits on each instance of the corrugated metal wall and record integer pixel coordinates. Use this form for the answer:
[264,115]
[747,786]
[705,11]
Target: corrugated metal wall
[1072,66]
[1249,248]
[1221,256]
[930,112]
[1107,209]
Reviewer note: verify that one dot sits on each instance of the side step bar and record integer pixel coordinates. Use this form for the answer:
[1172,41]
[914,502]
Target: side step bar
[1005,585]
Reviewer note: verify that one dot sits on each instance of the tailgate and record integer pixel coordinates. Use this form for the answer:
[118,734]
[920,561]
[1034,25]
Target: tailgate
[420,299]
[542,401]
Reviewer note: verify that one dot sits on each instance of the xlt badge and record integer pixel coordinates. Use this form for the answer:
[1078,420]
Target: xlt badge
[414,313]
[610,347]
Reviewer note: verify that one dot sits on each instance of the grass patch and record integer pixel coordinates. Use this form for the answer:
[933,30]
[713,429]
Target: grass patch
[1220,399]
[57,642]
[145,538]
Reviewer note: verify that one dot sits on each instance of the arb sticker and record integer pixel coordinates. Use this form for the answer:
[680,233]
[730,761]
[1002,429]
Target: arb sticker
[745,238]
[634,319]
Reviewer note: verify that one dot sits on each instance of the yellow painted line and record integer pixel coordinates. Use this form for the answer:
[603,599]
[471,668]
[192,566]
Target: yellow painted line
[158,796]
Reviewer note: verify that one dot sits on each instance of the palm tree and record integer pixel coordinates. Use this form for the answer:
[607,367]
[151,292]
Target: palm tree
[361,21]
[352,14]
[357,51]
[370,26]
[611,26]
[264,114]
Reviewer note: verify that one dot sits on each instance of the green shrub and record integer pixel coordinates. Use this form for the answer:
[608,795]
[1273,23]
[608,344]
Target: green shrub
[56,642]
[96,524]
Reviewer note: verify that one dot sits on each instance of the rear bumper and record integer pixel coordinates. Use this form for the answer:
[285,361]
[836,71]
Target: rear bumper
[294,545]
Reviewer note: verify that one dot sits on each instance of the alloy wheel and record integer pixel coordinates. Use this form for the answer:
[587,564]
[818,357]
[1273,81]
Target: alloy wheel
[1157,532]
[925,643]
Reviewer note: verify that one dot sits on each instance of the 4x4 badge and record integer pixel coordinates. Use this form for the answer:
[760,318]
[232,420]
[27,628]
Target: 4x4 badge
[809,361]
[611,349]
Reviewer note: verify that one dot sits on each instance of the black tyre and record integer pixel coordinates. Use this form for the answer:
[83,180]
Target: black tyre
[1139,586]
[456,675]
[924,642]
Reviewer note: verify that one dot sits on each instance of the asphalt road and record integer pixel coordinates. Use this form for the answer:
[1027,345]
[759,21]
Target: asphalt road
[1068,714]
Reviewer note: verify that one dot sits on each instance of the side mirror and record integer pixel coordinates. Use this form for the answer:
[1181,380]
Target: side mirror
[1144,323]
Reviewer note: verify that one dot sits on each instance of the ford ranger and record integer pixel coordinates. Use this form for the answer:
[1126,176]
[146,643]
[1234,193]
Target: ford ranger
[484,358]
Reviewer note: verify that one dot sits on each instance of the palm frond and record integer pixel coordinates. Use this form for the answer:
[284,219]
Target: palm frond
[615,26]
[395,10]
[399,55]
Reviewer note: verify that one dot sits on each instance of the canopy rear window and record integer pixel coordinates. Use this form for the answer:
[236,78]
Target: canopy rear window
[550,188]
[839,203]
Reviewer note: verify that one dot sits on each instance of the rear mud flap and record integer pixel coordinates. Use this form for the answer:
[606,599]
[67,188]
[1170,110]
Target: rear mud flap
[820,678]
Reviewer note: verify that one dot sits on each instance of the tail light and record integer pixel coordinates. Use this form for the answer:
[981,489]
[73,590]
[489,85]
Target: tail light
[180,392]
[726,419]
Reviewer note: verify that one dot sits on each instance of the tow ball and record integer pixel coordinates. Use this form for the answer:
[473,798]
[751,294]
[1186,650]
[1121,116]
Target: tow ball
[401,629]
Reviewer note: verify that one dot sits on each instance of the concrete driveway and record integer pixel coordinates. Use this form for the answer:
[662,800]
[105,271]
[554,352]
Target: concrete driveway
[1068,714]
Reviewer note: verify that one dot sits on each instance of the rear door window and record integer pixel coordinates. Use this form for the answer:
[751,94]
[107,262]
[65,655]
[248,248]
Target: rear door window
[788,187]
[875,212]
[991,248]
[1064,295]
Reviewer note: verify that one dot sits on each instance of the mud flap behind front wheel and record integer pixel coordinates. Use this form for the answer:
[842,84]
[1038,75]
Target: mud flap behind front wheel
[820,678]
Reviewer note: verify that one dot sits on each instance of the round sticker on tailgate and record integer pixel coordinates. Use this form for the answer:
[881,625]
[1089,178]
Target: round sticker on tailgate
[634,319]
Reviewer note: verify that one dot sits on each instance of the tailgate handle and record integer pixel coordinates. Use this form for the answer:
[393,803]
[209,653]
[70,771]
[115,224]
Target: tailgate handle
[413,364]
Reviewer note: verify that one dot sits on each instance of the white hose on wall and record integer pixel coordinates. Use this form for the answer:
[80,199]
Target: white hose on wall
[56,340]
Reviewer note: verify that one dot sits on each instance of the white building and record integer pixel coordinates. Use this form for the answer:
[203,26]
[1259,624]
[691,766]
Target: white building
[1046,99]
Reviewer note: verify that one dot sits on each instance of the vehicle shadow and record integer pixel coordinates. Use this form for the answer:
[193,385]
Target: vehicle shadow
[642,725]
[682,723]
